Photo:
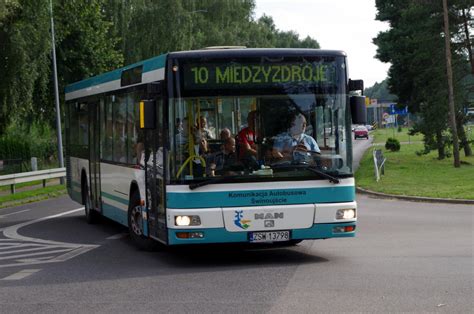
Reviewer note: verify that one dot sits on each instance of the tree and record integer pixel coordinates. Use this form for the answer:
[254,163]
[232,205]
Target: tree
[452,113]
[84,46]
[414,45]
[24,60]
[380,91]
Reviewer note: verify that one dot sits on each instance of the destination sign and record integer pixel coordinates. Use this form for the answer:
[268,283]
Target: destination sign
[233,75]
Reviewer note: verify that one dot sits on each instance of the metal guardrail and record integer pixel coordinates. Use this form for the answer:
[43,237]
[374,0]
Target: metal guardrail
[12,179]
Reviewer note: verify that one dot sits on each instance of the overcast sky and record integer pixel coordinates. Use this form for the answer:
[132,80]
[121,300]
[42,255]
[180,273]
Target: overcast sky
[347,25]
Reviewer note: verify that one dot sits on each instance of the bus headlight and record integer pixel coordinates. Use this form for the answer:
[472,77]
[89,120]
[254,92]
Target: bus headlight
[346,213]
[187,220]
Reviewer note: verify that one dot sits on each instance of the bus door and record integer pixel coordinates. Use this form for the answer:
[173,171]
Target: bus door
[155,176]
[94,155]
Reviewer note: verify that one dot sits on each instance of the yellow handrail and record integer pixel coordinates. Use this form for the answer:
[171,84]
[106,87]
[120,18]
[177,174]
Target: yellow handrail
[188,160]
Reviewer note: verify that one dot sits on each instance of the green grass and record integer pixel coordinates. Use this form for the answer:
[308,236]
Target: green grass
[409,174]
[26,184]
[32,195]
[381,135]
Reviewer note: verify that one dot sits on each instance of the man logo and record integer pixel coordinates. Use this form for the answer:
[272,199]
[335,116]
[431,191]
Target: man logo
[269,216]
[269,223]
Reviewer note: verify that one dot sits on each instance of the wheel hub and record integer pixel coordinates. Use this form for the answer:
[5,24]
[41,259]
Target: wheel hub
[136,221]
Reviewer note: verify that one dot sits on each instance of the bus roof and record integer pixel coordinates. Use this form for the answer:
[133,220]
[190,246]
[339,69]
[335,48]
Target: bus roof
[255,52]
[153,69]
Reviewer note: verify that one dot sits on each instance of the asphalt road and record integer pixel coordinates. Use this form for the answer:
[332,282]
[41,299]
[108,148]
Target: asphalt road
[407,257]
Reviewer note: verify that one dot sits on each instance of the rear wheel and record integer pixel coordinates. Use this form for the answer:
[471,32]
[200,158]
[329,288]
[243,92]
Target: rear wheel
[92,216]
[135,225]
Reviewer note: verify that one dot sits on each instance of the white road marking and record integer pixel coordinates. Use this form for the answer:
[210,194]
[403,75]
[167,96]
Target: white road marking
[37,251]
[22,274]
[21,211]
[117,236]
[12,232]
[34,254]
[5,252]
[7,244]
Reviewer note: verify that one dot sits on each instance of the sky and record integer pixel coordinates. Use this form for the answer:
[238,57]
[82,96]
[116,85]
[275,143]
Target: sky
[347,25]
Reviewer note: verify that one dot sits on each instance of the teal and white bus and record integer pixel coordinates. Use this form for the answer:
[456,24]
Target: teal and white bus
[218,146]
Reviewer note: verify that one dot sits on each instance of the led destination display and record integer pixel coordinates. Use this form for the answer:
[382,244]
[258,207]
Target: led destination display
[232,75]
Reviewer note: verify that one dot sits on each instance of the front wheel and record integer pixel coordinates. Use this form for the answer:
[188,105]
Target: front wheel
[135,225]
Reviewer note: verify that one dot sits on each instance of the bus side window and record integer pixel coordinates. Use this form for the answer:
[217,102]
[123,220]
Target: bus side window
[120,130]
[108,134]
[136,135]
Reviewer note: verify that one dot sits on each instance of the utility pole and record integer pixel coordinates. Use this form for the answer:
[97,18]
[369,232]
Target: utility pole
[56,94]
[452,113]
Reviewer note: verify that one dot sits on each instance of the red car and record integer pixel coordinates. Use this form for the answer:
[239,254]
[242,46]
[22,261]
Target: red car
[361,131]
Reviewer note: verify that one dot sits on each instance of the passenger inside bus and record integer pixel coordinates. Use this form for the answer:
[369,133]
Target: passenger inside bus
[246,140]
[295,139]
[201,136]
[225,161]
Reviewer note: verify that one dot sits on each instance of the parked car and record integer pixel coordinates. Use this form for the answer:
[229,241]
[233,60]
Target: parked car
[361,131]
[369,127]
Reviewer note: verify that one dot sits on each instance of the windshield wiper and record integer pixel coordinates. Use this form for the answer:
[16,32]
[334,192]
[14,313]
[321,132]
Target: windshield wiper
[214,180]
[324,174]
[310,168]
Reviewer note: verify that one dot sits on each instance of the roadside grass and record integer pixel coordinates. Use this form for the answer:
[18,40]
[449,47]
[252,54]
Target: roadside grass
[26,184]
[32,195]
[409,174]
[381,135]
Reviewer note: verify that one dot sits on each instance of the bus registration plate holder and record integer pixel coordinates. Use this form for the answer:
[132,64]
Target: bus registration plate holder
[269,236]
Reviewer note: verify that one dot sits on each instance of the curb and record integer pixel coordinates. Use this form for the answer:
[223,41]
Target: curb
[415,198]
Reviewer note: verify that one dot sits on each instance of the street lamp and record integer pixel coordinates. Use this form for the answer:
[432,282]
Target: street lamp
[56,94]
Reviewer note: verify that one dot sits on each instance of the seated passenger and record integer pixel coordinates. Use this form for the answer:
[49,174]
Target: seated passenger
[294,139]
[225,134]
[223,161]
[246,141]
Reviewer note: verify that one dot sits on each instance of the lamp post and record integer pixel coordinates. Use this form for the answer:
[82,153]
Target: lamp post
[56,94]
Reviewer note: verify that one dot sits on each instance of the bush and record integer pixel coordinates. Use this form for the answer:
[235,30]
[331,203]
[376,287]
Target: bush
[399,129]
[14,148]
[392,144]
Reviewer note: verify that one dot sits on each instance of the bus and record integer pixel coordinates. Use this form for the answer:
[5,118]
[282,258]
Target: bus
[218,146]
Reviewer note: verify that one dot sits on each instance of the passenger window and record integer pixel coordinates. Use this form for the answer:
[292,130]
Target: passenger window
[120,130]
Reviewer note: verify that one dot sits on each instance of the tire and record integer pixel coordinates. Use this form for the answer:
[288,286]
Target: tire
[295,242]
[92,216]
[135,225]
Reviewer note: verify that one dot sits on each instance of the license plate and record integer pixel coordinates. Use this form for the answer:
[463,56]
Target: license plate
[269,236]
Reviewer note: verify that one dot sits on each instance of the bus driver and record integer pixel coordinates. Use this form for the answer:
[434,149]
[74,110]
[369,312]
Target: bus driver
[295,139]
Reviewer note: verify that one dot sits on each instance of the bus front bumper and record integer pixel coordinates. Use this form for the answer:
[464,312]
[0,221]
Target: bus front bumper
[221,235]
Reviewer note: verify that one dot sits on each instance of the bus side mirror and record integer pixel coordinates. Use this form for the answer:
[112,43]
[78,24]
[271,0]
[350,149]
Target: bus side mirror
[358,110]
[356,85]
[148,114]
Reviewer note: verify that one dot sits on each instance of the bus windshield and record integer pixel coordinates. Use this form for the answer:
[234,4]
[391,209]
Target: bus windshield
[262,130]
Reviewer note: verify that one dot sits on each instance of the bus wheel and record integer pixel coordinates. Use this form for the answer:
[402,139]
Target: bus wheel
[295,242]
[135,226]
[92,216]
